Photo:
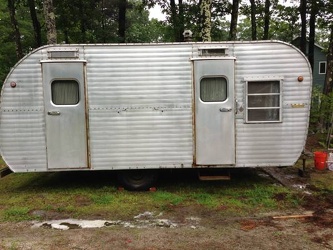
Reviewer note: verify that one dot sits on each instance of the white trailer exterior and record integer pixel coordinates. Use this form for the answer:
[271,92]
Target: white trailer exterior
[151,106]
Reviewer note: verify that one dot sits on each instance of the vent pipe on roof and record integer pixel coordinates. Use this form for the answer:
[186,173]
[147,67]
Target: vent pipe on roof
[187,35]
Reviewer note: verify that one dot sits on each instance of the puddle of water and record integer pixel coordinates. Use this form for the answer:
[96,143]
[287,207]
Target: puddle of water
[70,224]
[144,220]
[112,223]
[59,226]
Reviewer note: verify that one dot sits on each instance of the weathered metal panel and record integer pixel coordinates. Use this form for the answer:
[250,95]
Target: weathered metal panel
[140,106]
[141,138]
[278,143]
[139,75]
[22,129]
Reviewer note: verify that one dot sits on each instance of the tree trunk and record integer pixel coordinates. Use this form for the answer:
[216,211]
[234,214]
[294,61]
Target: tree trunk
[35,23]
[66,36]
[122,20]
[83,22]
[312,34]
[253,20]
[267,19]
[329,66]
[205,11]
[181,20]
[17,34]
[234,20]
[303,24]
[174,20]
[51,30]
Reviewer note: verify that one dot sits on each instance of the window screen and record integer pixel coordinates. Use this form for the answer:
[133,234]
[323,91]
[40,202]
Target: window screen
[213,89]
[263,101]
[65,92]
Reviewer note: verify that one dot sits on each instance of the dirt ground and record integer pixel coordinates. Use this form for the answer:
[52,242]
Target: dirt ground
[263,232]
[310,226]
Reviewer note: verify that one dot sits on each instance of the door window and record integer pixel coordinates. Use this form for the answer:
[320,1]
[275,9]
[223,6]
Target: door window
[213,89]
[65,92]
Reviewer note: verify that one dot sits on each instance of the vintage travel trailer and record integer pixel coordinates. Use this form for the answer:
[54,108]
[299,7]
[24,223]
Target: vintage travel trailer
[143,107]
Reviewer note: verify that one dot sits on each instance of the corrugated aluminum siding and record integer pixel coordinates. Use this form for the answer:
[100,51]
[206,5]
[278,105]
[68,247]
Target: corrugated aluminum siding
[22,124]
[140,106]
[272,144]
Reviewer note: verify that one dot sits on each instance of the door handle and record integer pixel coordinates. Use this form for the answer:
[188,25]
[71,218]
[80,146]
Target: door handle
[225,109]
[53,113]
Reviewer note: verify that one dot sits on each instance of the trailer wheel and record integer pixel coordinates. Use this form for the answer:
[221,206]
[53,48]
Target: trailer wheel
[137,180]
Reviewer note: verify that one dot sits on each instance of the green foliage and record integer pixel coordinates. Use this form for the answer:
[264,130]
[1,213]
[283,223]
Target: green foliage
[17,214]
[7,48]
[86,21]
[206,199]
[261,196]
[141,29]
[25,25]
[323,181]
[284,22]
[168,198]
[321,109]
[244,29]
[102,199]
[220,30]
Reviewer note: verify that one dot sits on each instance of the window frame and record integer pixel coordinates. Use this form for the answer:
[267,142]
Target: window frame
[246,92]
[65,80]
[215,77]
[319,68]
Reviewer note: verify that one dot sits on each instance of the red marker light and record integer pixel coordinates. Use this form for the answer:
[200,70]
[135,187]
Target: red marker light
[300,78]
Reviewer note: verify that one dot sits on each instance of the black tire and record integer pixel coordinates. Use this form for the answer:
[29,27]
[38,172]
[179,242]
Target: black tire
[137,180]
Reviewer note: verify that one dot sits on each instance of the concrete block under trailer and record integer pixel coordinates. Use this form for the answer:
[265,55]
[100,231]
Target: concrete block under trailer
[151,106]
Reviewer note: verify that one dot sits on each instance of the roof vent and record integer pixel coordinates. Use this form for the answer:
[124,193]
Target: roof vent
[213,51]
[63,53]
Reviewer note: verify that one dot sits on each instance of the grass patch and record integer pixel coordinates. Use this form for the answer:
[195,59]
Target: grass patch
[94,195]
[164,197]
[322,180]
[102,199]
[206,199]
[17,214]
[261,196]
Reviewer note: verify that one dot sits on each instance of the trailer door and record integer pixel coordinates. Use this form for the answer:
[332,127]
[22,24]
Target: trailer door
[65,112]
[214,112]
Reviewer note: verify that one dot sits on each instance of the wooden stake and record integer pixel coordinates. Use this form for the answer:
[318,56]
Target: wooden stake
[295,216]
